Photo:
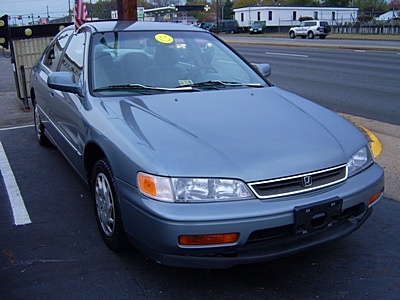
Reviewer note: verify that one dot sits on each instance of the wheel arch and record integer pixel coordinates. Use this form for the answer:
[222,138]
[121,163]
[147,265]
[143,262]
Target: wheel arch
[91,155]
[33,96]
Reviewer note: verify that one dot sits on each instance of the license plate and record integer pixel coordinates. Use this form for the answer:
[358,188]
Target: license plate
[316,217]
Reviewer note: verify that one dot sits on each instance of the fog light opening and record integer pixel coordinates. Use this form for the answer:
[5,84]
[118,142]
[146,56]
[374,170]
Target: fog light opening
[208,239]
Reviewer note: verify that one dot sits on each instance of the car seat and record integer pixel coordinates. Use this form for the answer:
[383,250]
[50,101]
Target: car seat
[165,72]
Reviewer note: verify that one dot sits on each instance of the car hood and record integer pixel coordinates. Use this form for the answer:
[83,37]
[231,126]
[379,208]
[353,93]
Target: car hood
[251,133]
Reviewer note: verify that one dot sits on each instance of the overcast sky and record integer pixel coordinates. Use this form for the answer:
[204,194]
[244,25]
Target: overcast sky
[56,8]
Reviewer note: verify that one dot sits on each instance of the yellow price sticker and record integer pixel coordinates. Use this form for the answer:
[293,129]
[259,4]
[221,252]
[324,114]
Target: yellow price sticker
[164,38]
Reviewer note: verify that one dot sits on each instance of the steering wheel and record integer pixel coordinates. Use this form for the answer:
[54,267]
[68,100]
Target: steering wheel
[197,69]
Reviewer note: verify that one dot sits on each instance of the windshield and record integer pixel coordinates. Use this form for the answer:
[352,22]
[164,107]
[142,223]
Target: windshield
[150,62]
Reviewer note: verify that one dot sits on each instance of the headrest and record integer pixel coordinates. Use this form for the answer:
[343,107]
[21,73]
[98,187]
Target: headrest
[165,56]
[103,58]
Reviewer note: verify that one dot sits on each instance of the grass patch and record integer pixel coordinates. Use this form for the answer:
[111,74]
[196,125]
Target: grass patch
[344,36]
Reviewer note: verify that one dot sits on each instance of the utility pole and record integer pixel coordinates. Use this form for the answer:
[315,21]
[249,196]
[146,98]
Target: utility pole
[217,15]
[69,11]
[127,10]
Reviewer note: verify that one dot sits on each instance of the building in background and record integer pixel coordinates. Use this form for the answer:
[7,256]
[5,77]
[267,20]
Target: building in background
[279,18]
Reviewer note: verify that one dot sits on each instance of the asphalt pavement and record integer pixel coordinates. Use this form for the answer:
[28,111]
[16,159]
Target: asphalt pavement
[329,43]
[384,137]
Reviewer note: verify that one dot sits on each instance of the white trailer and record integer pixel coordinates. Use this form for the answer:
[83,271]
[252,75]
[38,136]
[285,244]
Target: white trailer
[287,16]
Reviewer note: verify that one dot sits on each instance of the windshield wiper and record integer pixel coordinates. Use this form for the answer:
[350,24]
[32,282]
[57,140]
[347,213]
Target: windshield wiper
[215,84]
[144,88]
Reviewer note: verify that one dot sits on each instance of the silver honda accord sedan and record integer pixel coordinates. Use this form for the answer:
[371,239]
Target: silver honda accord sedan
[191,154]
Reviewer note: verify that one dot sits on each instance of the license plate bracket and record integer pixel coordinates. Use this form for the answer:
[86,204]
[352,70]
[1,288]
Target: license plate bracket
[316,217]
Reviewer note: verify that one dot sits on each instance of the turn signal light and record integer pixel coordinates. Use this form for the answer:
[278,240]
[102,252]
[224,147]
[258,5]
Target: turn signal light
[208,239]
[147,184]
[373,198]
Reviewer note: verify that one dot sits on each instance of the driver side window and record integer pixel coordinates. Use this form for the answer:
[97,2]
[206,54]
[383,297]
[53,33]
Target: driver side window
[72,60]
[53,54]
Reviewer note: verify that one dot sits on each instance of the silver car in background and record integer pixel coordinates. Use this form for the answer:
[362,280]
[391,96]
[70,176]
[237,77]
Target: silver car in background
[190,152]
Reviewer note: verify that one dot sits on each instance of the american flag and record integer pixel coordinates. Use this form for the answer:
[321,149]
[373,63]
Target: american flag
[80,13]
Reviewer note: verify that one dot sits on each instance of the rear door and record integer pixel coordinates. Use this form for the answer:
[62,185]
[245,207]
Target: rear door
[49,63]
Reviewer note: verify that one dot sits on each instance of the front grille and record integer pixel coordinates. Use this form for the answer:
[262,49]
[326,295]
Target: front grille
[260,236]
[299,183]
[287,231]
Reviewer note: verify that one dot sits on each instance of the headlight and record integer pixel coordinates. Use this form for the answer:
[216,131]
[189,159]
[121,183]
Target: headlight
[359,161]
[192,189]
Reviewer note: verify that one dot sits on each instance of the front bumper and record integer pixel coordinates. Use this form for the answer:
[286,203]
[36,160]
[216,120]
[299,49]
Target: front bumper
[266,227]
[258,252]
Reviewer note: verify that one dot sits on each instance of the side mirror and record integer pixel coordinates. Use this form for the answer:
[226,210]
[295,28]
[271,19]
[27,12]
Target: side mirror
[264,69]
[64,82]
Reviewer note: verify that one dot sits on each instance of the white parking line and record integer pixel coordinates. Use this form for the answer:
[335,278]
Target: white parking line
[21,216]
[16,127]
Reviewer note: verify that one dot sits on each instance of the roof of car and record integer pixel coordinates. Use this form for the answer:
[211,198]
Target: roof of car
[135,25]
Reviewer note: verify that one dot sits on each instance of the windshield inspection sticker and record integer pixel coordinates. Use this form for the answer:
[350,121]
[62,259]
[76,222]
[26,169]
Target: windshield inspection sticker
[185,82]
[164,38]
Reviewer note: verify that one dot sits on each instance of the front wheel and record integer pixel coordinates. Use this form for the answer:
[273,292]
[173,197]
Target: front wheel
[106,205]
[292,35]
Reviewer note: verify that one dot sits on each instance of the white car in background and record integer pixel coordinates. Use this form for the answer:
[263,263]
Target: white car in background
[310,29]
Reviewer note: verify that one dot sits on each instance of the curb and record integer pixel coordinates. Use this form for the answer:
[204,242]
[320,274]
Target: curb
[374,142]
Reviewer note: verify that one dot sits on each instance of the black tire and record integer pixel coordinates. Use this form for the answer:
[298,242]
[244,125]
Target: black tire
[39,127]
[322,37]
[310,35]
[106,206]
[292,35]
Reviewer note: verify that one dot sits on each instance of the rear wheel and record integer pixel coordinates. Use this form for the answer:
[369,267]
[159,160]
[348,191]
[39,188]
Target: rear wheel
[310,35]
[106,205]
[39,127]
[322,37]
